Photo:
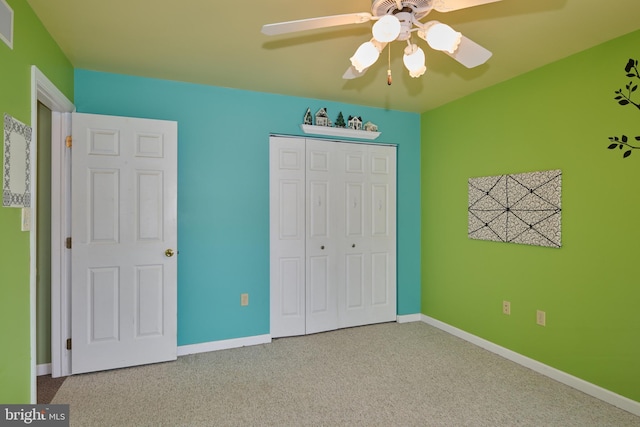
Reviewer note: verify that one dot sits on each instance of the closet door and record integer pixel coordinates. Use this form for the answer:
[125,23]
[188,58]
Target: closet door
[367,235]
[323,231]
[382,229]
[287,189]
[333,235]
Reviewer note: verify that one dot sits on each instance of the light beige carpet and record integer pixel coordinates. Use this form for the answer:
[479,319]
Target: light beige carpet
[381,375]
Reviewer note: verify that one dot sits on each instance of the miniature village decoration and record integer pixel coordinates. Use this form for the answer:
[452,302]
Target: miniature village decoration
[322,119]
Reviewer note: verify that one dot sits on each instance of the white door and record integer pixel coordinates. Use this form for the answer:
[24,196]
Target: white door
[322,223]
[333,235]
[367,234]
[287,190]
[124,242]
[303,248]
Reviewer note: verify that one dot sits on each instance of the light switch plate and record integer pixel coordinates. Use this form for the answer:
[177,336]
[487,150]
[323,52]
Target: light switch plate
[26,219]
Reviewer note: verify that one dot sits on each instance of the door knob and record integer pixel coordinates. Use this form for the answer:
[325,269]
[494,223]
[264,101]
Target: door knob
[353,246]
[322,247]
[169,253]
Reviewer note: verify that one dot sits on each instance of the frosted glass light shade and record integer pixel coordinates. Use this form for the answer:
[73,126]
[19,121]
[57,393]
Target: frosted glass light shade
[414,60]
[365,56]
[442,37]
[386,29]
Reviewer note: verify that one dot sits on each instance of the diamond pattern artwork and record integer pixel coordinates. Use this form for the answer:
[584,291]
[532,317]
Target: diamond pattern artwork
[517,208]
[16,176]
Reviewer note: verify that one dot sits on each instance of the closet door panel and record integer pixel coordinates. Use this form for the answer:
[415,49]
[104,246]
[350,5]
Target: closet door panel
[318,298]
[354,207]
[353,274]
[383,234]
[321,250]
[380,279]
[319,209]
[354,282]
[290,270]
[380,210]
[287,189]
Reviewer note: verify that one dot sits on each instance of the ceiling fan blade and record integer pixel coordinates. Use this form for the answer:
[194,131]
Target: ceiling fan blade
[352,73]
[314,23]
[470,54]
[451,5]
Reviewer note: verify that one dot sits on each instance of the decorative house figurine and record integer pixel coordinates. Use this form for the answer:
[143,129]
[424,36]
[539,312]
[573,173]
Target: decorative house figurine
[308,118]
[371,127]
[340,121]
[355,122]
[322,119]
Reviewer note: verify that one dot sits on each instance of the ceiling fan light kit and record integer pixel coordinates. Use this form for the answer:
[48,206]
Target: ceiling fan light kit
[440,36]
[386,29]
[367,54]
[414,60]
[397,20]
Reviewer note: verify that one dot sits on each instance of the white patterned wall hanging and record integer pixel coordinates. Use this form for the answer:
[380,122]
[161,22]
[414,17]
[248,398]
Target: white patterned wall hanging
[517,208]
[16,176]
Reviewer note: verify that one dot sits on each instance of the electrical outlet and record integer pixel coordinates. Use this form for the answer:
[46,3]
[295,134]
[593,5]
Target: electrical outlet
[506,308]
[244,299]
[541,318]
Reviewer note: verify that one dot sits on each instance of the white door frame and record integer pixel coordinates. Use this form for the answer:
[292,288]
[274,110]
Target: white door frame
[44,91]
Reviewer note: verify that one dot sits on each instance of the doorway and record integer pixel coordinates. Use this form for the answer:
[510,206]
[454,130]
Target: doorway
[46,102]
[46,385]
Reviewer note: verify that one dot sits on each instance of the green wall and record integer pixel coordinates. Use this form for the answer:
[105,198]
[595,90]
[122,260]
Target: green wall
[557,117]
[32,45]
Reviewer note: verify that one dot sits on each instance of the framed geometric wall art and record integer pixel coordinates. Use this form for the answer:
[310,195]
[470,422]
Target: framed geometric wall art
[521,208]
[16,175]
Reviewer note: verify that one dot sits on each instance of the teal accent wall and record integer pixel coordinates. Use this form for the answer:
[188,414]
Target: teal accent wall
[32,45]
[557,117]
[223,195]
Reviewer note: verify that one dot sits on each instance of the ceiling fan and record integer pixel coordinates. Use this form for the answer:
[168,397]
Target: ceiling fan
[397,20]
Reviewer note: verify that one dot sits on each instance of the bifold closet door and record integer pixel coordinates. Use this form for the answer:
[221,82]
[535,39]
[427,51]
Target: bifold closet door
[333,235]
[304,256]
[287,195]
[324,226]
[367,234]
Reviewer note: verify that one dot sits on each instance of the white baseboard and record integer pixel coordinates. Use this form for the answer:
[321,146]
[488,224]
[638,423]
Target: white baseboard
[205,347]
[406,318]
[586,387]
[43,369]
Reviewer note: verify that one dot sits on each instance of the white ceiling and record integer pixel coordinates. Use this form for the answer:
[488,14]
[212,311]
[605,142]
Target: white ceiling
[219,43]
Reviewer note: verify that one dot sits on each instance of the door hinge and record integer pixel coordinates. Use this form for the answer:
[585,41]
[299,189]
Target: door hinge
[68,343]
[69,141]
[68,243]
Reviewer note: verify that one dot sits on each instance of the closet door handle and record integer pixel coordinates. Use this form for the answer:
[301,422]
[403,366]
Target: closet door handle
[322,247]
[353,245]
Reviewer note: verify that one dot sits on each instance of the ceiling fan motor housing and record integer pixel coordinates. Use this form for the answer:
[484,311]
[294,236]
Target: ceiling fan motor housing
[419,8]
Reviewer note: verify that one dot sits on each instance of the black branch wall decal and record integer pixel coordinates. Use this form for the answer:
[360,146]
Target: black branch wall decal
[624,97]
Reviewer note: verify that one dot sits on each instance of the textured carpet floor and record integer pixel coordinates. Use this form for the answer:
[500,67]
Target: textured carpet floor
[380,375]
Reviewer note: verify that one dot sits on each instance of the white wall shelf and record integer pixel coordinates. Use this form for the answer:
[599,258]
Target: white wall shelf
[343,132]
